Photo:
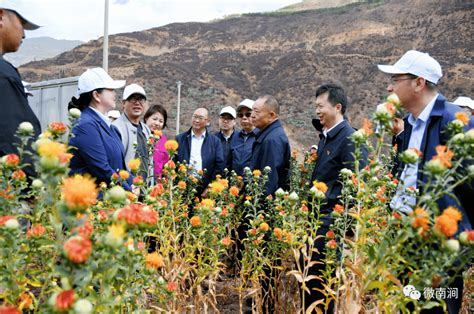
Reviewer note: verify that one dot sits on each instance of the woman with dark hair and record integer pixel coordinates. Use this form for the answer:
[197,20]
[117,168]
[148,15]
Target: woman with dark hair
[156,118]
[96,144]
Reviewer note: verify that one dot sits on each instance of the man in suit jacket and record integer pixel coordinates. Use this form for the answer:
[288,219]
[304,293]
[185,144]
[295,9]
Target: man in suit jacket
[335,152]
[414,79]
[201,149]
[271,147]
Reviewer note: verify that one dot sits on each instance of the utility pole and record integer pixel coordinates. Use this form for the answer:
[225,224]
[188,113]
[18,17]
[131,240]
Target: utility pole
[105,57]
[179,105]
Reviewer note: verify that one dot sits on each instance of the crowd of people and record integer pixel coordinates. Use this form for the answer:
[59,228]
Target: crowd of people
[105,140]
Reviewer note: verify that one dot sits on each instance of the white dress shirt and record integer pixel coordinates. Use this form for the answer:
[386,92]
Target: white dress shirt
[196,144]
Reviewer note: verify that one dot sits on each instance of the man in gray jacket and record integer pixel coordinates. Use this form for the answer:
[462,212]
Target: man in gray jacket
[134,132]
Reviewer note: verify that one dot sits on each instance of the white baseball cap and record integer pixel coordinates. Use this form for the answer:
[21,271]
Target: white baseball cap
[416,63]
[133,89]
[96,78]
[113,114]
[248,103]
[463,101]
[229,110]
[26,24]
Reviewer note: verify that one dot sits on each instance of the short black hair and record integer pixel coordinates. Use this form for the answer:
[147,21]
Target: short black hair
[336,95]
[154,109]
[83,101]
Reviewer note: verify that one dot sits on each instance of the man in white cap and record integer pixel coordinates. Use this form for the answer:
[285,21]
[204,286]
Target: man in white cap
[466,103]
[134,132]
[240,155]
[13,100]
[414,79]
[226,132]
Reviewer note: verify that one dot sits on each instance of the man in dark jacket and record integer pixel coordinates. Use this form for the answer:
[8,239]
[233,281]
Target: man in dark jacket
[414,79]
[202,150]
[335,152]
[271,147]
[226,132]
[13,100]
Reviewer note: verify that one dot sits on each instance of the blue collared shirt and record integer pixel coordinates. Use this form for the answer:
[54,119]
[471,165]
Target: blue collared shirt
[402,201]
[195,158]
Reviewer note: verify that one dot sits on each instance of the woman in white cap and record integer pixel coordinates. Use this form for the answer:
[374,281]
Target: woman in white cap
[97,147]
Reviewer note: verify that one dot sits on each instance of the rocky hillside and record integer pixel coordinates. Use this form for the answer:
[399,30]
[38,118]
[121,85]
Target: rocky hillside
[284,54]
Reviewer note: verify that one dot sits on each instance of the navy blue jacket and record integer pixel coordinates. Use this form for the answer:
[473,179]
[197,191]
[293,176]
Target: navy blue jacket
[334,155]
[211,154]
[272,148]
[226,145]
[441,114]
[15,110]
[240,155]
[97,149]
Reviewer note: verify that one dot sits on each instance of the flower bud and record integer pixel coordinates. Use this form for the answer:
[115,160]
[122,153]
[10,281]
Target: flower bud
[279,193]
[116,195]
[83,306]
[25,128]
[293,197]
[410,156]
[435,166]
[452,245]
[393,98]
[12,224]
[37,184]
[469,136]
[74,113]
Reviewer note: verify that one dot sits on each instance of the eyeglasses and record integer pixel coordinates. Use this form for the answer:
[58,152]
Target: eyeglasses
[199,118]
[246,114]
[401,78]
[134,99]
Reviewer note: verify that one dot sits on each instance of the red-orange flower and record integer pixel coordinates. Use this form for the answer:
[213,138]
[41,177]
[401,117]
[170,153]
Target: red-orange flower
[446,225]
[462,116]
[64,300]
[453,213]
[330,234]
[367,127]
[19,175]
[24,301]
[135,214]
[331,244]
[158,189]
[57,128]
[11,160]
[78,249]
[36,230]
[79,192]
[171,286]
[234,191]
[4,219]
[9,309]
[444,155]
[226,241]
[84,230]
[278,233]
[338,208]
[264,227]
[181,185]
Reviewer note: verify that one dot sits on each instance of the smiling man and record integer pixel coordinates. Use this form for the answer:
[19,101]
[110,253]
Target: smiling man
[134,132]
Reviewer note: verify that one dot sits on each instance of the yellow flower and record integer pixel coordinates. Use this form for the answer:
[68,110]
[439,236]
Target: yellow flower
[257,173]
[134,164]
[216,187]
[421,220]
[124,174]
[321,186]
[117,231]
[51,149]
[79,192]
[171,146]
[207,202]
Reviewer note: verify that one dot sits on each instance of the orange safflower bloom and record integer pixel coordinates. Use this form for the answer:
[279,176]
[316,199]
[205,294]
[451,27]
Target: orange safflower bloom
[453,213]
[446,225]
[171,146]
[158,133]
[4,219]
[158,189]
[134,214]
[79,192]
[462,116]
[78,249]
[444,155]
[338,208]
[134,164]
[264,227]
[321,186]
[171,286]
[131,196]
[170,164]
[12,160]
[257,173]
[138,181]
[367,127]
[85,230]
[51,149]
[24,301]
[182,168]
[9,309]
[124,175]
[226,241]
[195,221]
[234,191]
[57,128]
[154,261]
[207,202]
[331,244]
[421,219]
[288,235]
[36,230]
[330,234]
[217,186]
[278,233]
[64,300]
[182,185]
[19,175]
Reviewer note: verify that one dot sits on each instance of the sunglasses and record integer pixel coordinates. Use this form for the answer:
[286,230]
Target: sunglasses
[247,114]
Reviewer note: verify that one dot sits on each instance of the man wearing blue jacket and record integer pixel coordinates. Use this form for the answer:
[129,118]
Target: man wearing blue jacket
[201,149]
[271,147]
[414,79]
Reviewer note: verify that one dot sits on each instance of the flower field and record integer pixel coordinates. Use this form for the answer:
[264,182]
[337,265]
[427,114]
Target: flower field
[69,244]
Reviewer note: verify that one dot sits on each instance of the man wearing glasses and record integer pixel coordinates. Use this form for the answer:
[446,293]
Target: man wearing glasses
[201,149]
[240,155]
[414,79]
[226,131]
[134,132]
